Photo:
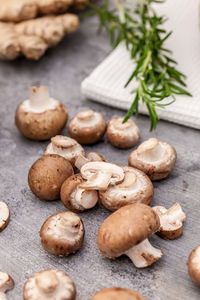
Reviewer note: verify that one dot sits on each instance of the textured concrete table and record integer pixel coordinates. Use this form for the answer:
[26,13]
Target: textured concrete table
[21,254]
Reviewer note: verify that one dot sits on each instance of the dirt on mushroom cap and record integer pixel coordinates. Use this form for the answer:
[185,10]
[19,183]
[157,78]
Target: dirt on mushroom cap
[117,294]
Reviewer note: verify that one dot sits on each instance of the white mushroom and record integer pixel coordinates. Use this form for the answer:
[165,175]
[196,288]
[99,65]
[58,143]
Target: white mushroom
[65,147]
[6,284]
[91,156]
[4,215]
[155,158]
[171,221]
[100,175]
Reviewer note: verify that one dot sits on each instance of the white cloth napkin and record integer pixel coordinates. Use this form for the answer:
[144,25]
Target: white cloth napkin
[106,82]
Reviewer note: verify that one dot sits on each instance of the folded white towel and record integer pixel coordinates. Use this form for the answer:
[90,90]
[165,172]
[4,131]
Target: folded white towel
[106,83]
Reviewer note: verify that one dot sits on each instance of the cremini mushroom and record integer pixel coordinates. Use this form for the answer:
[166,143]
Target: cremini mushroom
[6,284]
[47,175]
[87,127]
[91,156]
[40,117]
[136,187]
[171,221]
[194,265]
[49,284]
[75,198]
[65,147]
[122,135]
[126,231]
[4,215]
[155,158]
[117,294]
[100,175]
[62,233]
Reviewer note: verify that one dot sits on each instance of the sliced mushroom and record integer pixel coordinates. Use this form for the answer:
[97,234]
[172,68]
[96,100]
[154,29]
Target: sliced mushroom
[117,294]
[40,117]
[62,233]
[136,187]
[135,223]
[87,127]
[47,175]
[122,135]
[76,198]
[171,221]
[91,156]
[6,284]
[4,215]
[194,265]
[65,147]
[49,284]
[155,158]
[100,175]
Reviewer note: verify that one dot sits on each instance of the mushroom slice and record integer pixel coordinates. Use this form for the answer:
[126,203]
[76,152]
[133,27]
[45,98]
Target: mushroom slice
[100,175]
[62,233]
[40,117]
[117,294]
[155,158]
[136,187]
[194,265]
[76,198]
[171,221]
[91,156]
[6,284]
[49,284]
[4,215]
[65,147]
[122,135]
[87,127]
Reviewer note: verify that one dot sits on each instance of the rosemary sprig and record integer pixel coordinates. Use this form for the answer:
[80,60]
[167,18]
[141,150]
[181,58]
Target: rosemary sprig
[155,71]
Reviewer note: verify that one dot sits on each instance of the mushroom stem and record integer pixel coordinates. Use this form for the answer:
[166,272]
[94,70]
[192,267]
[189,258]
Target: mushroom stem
[86,199]
[144,254]
[81,161]
[98,181]
[39,98]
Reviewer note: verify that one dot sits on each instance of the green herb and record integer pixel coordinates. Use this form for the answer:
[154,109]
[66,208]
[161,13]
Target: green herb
[155,71]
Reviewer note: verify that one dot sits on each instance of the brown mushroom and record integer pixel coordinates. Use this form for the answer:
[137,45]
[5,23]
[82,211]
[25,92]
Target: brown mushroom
[122,135]
[6,284]
[65,147]
[155,158]
[4,215]
[87,127]
[171,221]
[117,294]
[49,284]
[136,187]
[75,198]
[194,265]
[126,231]
[40,117]
[47,175]
[62,233]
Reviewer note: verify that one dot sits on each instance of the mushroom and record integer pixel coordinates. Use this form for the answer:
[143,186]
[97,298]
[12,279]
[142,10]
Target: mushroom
[49,284]
[91,156]
[65,147]
[4,215]
[117,294]
[122,135]
[62,233]
[75,198]
[171,221]
[194,265]
[87,127]
[136,187]
[155,158]
[6,284]
[40,117]
[100,175]
[47,175]
[126,231]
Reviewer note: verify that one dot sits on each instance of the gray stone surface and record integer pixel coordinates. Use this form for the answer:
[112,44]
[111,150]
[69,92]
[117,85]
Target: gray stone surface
[20,251]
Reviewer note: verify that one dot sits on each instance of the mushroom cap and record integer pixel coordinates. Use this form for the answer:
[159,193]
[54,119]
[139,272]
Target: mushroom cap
[117,294]
[134,223]
[41,125]
[194,265]
[87,127]
[49,284]
[65,147]
[4,215]
[62,233]
[70,190]
[136,187]
[154,157]
[6,282]
[47,175]
[122,135]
